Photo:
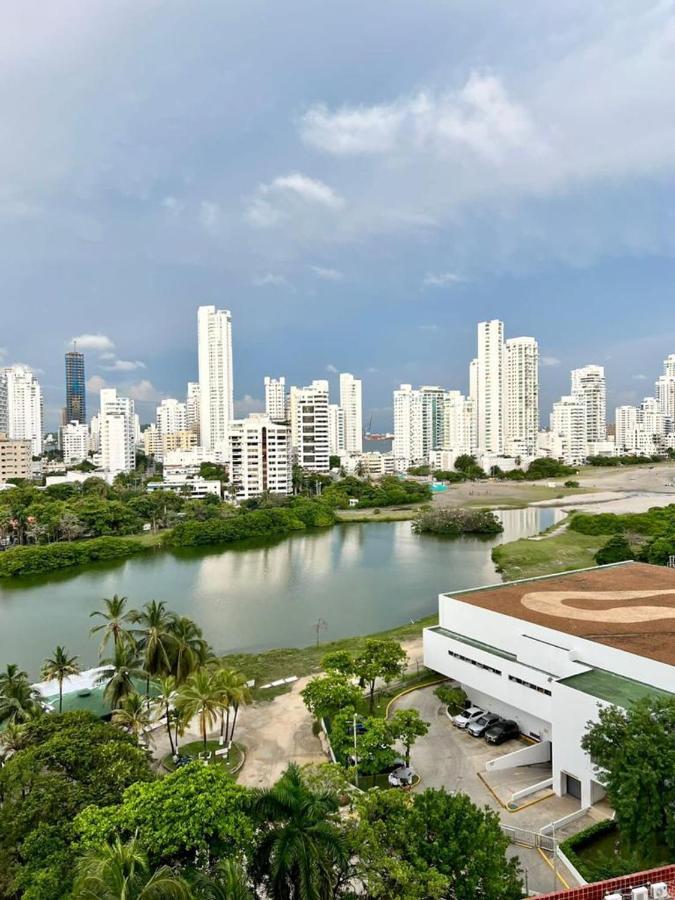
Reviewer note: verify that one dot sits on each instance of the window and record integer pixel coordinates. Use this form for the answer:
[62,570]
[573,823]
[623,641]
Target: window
[474,662]
[528,684]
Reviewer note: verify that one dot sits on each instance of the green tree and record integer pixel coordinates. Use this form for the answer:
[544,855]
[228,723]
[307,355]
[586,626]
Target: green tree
[340,661]
[302,852]
[19,700]
[155,640]
[121,872]
[119,672]
[634,750]
[374,748]
[188,649]
[200,696]
[407,725]
[59,667]
[116,621]
[132,715]
[617,549]
[326,696]
[166,697]
[228,881]
[379,659]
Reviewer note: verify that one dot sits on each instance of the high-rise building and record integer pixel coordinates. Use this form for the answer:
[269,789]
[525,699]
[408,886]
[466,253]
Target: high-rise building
[15,459]
[309,426]
[664,391]
[490,386]
[21,406]
[192,407]
[215,377]
[408,445]
[521,412]
[76,388]
[351,404]
[433,420]
[569,430]
[260,457]
[171,416]
[589,384]
[459,424]
[626,429]
[275,398]
[74,442]
[336,429]
[117,424]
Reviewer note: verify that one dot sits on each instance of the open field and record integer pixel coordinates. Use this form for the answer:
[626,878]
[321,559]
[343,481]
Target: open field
[528,558]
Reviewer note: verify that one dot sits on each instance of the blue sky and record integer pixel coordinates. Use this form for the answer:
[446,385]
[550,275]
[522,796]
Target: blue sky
[360,183]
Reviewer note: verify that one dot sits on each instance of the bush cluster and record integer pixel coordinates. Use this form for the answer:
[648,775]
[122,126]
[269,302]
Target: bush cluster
[47,557]
[453,522]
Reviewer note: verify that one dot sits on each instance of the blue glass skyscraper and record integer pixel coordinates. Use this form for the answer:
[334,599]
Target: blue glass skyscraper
[76,397]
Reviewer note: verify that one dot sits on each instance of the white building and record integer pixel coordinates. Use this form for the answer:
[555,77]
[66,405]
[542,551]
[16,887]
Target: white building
[408,445]
[589,384]
[375,464]
[215,376]
[664,391]
[171,416]
[336,429]
[490,386]
[309,426]
[275,398]
[260,457]
[351,403]
[21,407]
[626,429]
[74,443]
[459,424]
[117,425]
[192,405]
[549,652]
[521,415]
[569,432]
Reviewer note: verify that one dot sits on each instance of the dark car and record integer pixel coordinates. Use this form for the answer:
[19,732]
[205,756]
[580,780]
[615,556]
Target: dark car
[504,730]
[479,726]
[360,728]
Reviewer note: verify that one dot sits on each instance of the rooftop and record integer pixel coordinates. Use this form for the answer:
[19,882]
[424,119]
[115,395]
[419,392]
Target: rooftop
[628,606]
[614,688]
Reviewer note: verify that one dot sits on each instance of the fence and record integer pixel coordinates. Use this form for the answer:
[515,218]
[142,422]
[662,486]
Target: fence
[530,838]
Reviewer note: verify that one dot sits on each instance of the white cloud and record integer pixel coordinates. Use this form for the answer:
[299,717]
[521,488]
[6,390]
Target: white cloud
[550,361]
[287,196]
[332,369]
[248,404]
[441,279]
[96,383]
[270,280]
[125,365]
[144,390]
[327,274]
[93,342]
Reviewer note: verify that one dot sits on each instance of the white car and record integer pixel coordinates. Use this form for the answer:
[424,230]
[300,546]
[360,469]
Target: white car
[467,715]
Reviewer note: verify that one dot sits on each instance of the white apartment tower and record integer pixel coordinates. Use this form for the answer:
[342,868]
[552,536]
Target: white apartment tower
[664,391]
[459,424]
[215,376]
[352,407]
[336,429]
[74,442]
[569,429]
[117,425]
[275,398]
[21,406]
[490,386]
[171,416]
[192,404]
[309,426]
[408,445]
[521,413]
[260,457]
[626,428]
[589,384]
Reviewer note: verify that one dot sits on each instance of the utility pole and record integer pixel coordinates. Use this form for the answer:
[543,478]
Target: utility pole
[319,625]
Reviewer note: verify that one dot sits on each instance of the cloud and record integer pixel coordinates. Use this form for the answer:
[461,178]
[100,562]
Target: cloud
[550,361]
[143,391]
[640,377]
[327,274]
[96,383]
[270,280]
[441,279]
[287,196]
[332,369]
[124,365]
[93,342]
[248,404]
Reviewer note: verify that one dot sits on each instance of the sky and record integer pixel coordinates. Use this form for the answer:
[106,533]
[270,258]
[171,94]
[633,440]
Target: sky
[359,183]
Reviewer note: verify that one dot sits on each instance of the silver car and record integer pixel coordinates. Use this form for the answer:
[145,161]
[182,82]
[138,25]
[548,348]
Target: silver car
[461,720]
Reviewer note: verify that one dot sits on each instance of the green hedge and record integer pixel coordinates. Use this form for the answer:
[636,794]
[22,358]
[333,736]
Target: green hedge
[453,522]
[582,839]
[47,557]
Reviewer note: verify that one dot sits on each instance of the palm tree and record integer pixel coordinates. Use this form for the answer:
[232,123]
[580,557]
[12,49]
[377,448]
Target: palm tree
[228,882]
[200,696]
[189,647]
[120,670]
[155,640]
[240,694]
[19,700]
[122,872]
[58,667]
[12,738]
[302,850]
[132,714]
[166,697]
[115,621]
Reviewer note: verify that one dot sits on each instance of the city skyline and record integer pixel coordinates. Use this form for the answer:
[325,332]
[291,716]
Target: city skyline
[322,206]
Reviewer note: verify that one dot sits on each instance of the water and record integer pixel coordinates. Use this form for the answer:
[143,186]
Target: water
[359,578]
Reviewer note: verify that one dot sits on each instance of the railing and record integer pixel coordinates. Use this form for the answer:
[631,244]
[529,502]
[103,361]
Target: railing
[530,838]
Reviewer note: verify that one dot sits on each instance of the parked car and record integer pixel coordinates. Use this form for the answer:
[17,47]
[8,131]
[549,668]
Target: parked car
[461,720]
[401,777]
[504,730]
[360,728]
[479,726]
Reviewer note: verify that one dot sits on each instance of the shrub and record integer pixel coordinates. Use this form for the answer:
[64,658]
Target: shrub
[453,522]
[452,697]
[617,549]
[47,557]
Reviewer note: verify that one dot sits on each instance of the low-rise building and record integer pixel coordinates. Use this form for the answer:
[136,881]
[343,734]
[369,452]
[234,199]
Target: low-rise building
[194,487]
[74,443]
[15,458]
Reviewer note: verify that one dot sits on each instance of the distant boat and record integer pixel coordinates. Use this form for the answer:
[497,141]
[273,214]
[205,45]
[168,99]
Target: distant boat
[376,436]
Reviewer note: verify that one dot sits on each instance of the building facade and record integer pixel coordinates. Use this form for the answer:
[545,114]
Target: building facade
[171,416]
[569,433]
[336,429]
[408,444]
[351,403]
[15,459]
[588,383]
[21,406]
[76,388]
[490,386]
[215,376]
[521,414]
[275,398]
[309,426]
[260,457]
[117,430]
[74,442]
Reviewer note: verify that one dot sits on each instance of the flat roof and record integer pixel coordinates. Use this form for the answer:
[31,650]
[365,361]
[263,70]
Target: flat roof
[629,606]
[614,688]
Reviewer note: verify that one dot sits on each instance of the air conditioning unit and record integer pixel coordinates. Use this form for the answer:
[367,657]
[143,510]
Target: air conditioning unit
[640,893]
[659,891]
[613,896]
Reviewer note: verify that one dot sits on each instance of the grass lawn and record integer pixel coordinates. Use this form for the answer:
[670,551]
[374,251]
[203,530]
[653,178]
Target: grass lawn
[527,558]
[378,514]
[230,762]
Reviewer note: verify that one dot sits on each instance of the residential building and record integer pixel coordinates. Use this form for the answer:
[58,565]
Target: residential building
[275,398]
[408,444]
[626,429]
[15,458]
[433,418]
[489,386]
[260,457]
[374,464]
[117,433]
[589,384]
[521,414]
[309,426]
[459,424]
[549,653]
[21,406]
[152,442]
[76,388]
[351,404]
[171,416]
[569,431]
[664,391]
[194,487]
[192,407]
[74,442]
[215,376]
[336,429]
